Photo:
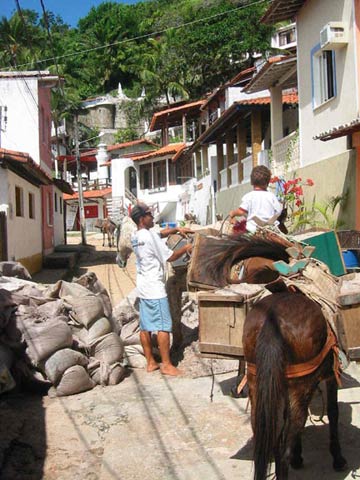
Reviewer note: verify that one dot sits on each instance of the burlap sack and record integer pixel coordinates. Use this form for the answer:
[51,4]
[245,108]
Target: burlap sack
[98,329]
[43,338]
[75,380]
[62,289]
[85,310]
[105,374]
[108,349]
[60,361]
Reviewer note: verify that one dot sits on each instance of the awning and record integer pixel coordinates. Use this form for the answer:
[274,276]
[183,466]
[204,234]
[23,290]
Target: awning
[340,131]
[280,10]
[230,118]
[23,165]
[277,71]
[173,116]
[64,186]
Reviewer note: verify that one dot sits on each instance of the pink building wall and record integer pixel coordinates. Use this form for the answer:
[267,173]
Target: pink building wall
[44,125]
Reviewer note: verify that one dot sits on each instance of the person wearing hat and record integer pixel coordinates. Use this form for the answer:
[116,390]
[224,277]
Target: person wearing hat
[151,257]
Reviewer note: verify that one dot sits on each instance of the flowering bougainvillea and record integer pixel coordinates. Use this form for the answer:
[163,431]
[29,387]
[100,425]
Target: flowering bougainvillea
[291,191]
[291,194]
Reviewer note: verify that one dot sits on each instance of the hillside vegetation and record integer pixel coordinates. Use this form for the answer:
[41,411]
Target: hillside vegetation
[172,48]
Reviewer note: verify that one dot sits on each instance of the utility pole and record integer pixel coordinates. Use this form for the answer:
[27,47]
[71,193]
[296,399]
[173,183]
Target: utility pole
[79,181]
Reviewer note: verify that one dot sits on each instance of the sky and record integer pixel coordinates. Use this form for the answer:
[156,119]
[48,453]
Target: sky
[69,10]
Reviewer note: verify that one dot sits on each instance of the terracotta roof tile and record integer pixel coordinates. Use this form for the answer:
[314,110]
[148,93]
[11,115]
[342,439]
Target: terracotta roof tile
[167,150]
[24,159]
[289,98]
[181,108]
[90,194]
[119,146]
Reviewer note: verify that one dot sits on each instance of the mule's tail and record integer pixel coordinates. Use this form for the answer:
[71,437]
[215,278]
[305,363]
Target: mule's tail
[271,396]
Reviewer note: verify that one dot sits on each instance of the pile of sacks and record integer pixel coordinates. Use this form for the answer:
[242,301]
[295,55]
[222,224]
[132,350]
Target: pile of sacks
[62,335]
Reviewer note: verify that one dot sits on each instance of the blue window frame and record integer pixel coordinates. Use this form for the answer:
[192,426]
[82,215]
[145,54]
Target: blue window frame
[323,75]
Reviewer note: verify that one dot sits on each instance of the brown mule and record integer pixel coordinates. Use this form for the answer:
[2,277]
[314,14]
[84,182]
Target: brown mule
[285,330]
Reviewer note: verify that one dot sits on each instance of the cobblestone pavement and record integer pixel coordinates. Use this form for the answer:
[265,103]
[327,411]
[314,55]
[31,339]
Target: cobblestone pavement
[154,427]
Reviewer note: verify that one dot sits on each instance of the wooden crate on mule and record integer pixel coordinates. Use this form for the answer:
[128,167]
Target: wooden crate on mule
[221,322]
[349,322]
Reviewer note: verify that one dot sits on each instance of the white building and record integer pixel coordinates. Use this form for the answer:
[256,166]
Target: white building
[25,97]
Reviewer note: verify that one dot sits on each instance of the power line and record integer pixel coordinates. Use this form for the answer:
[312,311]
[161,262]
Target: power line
[29,43]
[46,21]
[147,35]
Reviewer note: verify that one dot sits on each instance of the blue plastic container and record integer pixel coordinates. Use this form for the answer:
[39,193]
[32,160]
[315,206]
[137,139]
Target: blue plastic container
[350,258]
[169,224]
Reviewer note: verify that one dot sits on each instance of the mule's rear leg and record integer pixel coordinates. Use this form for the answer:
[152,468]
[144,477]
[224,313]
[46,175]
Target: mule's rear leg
[339,462]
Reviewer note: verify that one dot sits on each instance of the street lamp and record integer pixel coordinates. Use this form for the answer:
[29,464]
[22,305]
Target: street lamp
[79,179]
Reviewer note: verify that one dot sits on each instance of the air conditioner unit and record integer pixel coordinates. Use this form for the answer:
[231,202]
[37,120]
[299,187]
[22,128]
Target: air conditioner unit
[333,35]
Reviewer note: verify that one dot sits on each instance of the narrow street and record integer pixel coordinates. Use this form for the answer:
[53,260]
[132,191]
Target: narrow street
[152,426]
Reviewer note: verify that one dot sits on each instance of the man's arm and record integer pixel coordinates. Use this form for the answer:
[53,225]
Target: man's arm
[183,231]
[238,212]
[179,252]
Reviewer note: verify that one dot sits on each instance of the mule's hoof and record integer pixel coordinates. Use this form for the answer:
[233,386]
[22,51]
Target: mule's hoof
[340,465]
[297,463]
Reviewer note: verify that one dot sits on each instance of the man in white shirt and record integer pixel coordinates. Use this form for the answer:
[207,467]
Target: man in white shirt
[151,257]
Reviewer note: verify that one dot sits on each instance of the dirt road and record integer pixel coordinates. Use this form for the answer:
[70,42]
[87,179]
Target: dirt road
[151,426]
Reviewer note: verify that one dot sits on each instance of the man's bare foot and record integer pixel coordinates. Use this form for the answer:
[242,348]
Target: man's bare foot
[152,367]
[171,370]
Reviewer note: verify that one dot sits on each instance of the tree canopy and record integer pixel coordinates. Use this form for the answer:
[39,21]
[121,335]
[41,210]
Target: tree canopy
[175,49]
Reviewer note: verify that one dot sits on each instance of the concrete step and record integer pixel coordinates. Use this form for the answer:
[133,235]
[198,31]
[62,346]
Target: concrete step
[77,248]
[61,260]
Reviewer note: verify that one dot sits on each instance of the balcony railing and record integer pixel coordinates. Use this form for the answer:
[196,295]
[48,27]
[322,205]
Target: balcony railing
[223,179]
[247,167]
[285,154]
[234,174]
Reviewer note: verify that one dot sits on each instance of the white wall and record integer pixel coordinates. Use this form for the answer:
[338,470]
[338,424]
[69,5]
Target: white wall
[118,167]
[22,131]
[200,200]
[339,110]
[24,234]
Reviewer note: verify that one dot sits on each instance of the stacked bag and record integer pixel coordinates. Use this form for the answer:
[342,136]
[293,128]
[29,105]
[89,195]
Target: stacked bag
[63,335]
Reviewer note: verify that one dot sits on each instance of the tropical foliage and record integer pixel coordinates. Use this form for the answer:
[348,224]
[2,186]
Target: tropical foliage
[175,49]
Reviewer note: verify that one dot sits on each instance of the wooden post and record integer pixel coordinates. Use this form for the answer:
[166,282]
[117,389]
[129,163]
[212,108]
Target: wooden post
[205,157]
[220,161]
[241,148]
[229,155]
[198,163]
[256,136]
[184,127]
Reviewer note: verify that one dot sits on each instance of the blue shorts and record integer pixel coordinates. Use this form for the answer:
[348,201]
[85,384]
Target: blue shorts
[155,315]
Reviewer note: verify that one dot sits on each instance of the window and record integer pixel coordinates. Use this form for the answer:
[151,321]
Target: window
[323,76]
[145,176]
[172,173]
[19,201]
[61,205]
[55,202]
[286,37]
[31,205]
[160,174]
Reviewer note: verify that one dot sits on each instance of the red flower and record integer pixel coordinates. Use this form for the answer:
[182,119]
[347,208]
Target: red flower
[309,182]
